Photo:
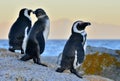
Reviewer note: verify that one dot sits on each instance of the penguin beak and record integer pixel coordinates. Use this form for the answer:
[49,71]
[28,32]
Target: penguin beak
[88,23]
[30,10]
[33,12]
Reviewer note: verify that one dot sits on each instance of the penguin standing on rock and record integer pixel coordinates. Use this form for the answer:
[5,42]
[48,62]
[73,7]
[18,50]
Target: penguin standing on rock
[73,53]
[35,41]
[16,34]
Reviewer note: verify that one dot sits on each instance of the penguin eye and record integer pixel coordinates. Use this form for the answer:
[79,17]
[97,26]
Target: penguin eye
[78,26]
[38,14]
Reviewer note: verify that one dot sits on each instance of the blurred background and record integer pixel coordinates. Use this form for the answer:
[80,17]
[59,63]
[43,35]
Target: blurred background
[104,16]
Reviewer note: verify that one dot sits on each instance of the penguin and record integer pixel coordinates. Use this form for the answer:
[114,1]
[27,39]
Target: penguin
[17,30]
[36,39]
[74,50]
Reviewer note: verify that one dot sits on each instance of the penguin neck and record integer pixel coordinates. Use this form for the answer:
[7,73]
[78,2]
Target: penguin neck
[76,36]
[26,15]
[83,32]
[26,19]
[80,35]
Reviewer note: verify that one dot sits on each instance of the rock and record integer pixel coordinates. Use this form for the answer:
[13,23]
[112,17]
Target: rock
[91,50]
[12,69]
[118,52]
[97,78]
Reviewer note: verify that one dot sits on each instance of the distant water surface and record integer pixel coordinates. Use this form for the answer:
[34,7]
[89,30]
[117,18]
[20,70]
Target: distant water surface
[54,47]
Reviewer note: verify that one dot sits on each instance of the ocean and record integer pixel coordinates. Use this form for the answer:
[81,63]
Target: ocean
[55,47]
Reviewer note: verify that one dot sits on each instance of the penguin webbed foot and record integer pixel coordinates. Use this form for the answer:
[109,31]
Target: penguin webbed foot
[76,73]
[37,61]
[11,49]
[71,70]
[26,57]
[60,70]
[42,64]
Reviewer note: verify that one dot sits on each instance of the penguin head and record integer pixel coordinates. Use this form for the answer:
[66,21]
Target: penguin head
[79,26]
[25,12]
[39,13]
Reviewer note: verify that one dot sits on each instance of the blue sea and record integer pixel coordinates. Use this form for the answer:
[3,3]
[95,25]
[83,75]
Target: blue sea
[54,47]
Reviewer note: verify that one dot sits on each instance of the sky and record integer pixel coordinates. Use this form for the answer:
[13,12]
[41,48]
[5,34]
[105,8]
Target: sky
[104,16]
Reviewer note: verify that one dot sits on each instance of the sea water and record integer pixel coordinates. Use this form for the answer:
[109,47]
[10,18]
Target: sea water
[55,47]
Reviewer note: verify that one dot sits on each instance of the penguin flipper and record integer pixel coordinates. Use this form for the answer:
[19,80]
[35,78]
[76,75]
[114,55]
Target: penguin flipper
[80,55]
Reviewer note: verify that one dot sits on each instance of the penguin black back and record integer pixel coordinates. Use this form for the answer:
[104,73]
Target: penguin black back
[36,37]
[16,34]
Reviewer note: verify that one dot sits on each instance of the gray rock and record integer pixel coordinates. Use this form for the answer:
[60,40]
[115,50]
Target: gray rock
[91,49]
[12,69]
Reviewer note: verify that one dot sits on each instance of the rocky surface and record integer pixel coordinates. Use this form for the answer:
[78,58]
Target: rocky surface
[112,71]
[12,69]
[91,50]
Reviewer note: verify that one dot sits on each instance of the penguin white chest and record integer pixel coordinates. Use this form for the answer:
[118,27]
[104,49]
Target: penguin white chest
[84,34]
[25,40]
[76,64]
[47,29]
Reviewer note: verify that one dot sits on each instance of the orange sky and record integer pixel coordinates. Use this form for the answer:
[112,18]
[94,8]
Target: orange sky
[103,14]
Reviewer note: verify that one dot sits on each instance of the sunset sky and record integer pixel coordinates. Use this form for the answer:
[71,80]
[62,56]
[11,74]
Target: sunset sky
[104,16]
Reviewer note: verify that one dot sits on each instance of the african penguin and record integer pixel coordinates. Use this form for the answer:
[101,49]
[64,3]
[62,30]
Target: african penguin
[35,42]
[16,33]
[73,52]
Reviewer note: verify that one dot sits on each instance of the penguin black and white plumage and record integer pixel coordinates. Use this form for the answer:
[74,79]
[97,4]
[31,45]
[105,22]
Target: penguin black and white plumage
[73,53]
[16,33]
[35,42]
